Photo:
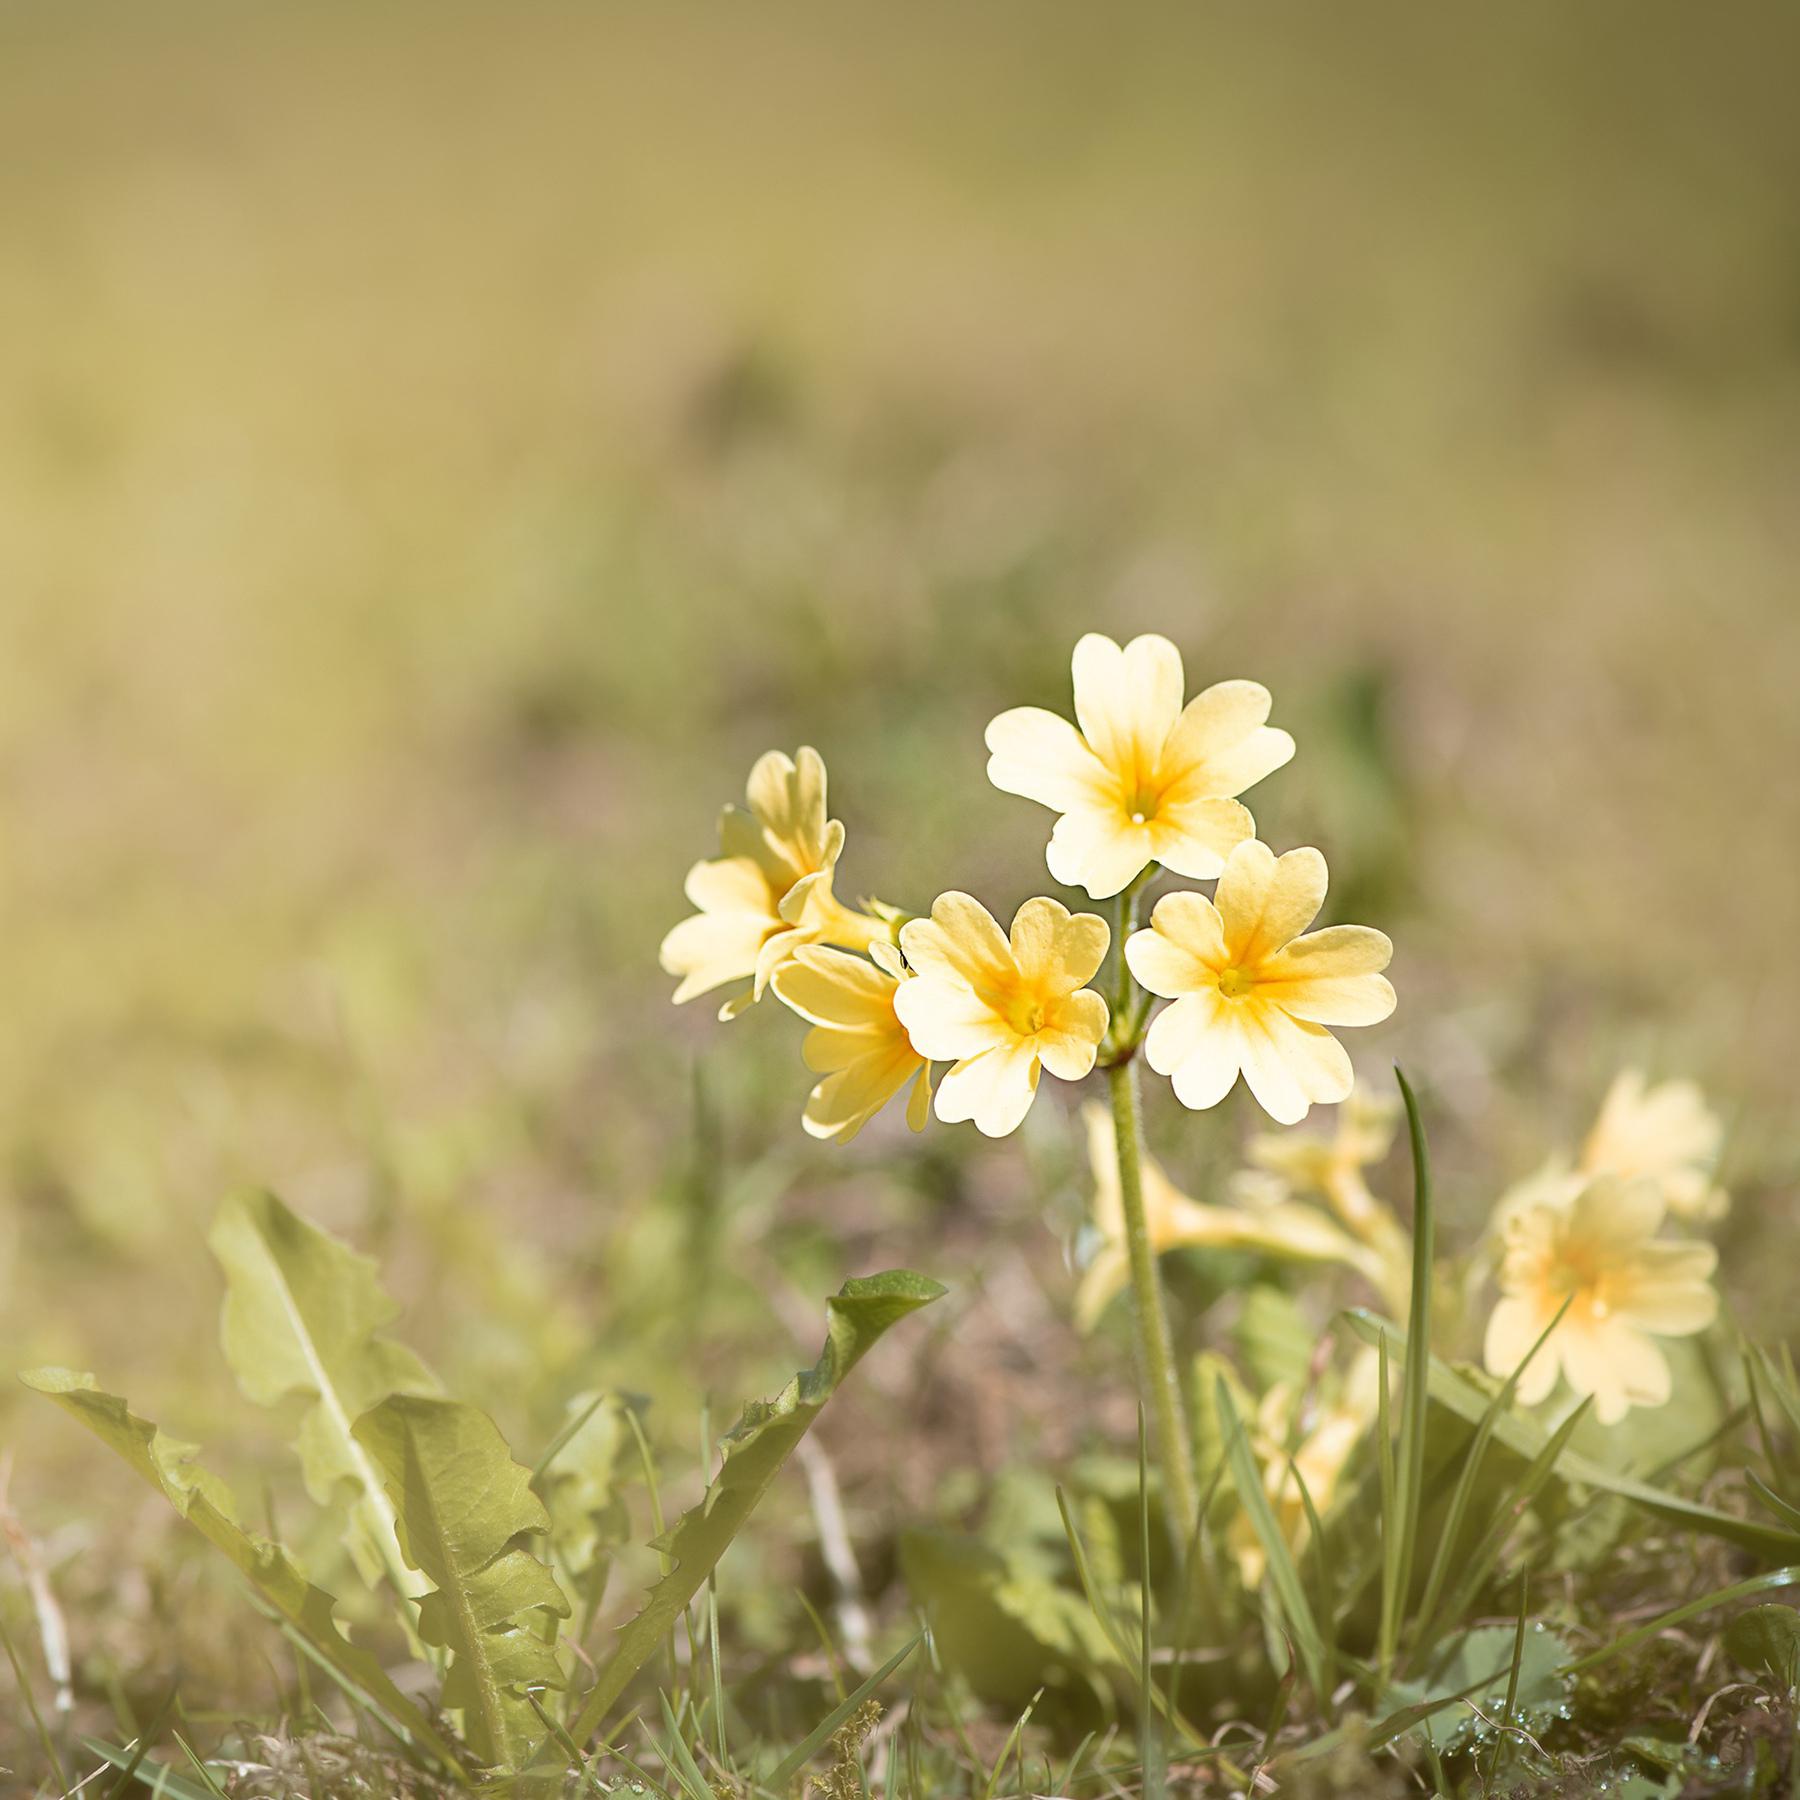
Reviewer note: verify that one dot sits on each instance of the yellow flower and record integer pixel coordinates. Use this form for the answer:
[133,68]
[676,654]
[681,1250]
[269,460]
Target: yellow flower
[1251,994]
[1143,780]
[1000,1009]
[771,890]
[1629,1286]
[857,1041]
[1666,1134]
[1286,1230]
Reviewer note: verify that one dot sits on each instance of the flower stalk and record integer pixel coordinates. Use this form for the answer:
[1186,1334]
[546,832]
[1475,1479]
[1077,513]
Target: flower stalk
[1158,1376]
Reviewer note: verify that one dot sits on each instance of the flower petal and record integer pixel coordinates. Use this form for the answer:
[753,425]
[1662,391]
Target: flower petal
[710,949]
[994,1089]
[1182,949]
[1515,1325]
[1220,744]
[1198,1045]
[1329,976]
[1069,1043]
[962,941]
[1291,1065]
[1620,1367]
[831,987]
[1039,756]
[1127,701]
[1100,849]
[946,1020]
[1266,901]
[730,884]
[844,1102]
[1195,837]
[1055,946]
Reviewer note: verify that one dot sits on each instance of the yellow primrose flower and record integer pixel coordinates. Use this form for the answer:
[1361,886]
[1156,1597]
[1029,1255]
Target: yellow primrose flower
[857,1041]
[1629,1286]
[1002,1008]
[1666,1134]
[1285,1229]
[771,890]
[1252,995]
[1143,779]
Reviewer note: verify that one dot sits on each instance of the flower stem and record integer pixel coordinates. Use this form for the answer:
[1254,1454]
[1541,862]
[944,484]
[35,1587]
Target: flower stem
[1156,1349]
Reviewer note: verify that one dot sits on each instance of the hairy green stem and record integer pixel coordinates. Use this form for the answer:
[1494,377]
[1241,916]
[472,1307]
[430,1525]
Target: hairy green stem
[1156,1350]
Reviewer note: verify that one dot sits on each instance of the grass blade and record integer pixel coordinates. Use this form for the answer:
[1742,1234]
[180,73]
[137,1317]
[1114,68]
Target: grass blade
[1289,1590]
[1400,1544]
[816,1739]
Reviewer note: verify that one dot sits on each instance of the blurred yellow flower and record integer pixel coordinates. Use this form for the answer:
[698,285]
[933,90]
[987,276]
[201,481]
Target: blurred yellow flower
[771,890]
[1002,1008]
[1329,1435]
[1285,1229]
[1664,1134]
[1252,995]
[1142,780]
[1332,1167]
[857,1041]
[1629,1288]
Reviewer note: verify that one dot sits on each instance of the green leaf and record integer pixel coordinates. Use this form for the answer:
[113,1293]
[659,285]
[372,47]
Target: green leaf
[579,1480]
[1484,1655]
[1767,1639]
[205,1502]
[755,1449]
[302,1317]
[463,1505]
[1524,1437]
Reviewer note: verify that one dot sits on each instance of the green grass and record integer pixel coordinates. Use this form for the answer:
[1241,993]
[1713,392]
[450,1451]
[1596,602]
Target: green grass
[442,450]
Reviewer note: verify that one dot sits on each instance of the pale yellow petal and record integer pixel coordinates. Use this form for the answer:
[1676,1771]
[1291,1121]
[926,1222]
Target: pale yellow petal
[1103,1279]
[1053,945]
[1103,1161]
[1197,1043]
[946,1020]
[1617,1214]
[1041,757]
[994,1089]
[1668,1288]
[1195,837]
[844,1102]
[1100,849]
[711,949]
[961,941]
[1220,744]
[1127,701]
[1181,950]
[1659,1130]
[918,1104]
[1515,1325]
[788,797]
[1069,1041]
[1329,978]
[832,987]
[1290,1065]
[1620,1367]
[730,884]
[1266,901]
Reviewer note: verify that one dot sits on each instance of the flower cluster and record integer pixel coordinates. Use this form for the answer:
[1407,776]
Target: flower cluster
[1140,780]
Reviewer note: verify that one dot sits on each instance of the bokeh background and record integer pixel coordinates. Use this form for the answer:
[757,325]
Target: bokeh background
[440,448]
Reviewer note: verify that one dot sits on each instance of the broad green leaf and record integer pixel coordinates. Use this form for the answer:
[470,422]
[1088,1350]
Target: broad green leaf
[755,1449]
[463,1506]
[1483,1656]
[1524,1437]
[579,1481]
[205,1502]
[1767,1639]
[302,1318]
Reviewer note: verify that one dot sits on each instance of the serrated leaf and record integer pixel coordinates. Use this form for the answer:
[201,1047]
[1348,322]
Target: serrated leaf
[463,1505]
[754,1452]
[1767,1639]
[205,1502]
[1452,1389]
[303,1317]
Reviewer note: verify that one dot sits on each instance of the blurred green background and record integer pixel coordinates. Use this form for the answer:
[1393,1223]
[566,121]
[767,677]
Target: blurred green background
[440,448]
